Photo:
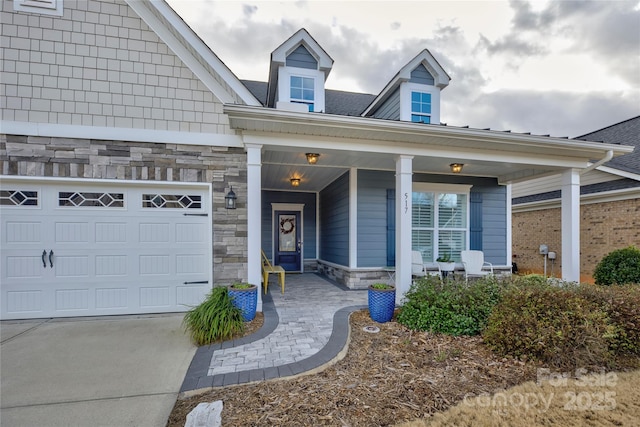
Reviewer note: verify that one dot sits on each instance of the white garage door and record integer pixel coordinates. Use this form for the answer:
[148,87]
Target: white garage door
[83,249]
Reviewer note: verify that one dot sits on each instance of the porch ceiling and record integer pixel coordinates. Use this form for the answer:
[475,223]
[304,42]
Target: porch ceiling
[346,142]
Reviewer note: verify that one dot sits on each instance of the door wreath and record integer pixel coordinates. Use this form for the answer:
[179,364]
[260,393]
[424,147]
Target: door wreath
[286,225]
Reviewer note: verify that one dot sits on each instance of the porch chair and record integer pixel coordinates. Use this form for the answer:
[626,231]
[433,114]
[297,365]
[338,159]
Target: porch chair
[474,264]
[420,269]
[267,269]
[433,269]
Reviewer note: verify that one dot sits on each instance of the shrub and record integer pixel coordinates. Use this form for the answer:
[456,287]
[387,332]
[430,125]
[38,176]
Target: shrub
[554,325]
[622,305]
[619,267]
[531,280]
[453,307]
[215,319]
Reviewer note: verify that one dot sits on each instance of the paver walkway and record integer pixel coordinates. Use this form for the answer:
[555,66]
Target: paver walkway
[304,328]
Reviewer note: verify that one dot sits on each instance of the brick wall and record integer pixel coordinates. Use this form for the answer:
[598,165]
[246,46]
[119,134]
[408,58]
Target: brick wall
[97,159]
[604,227]
[99,65]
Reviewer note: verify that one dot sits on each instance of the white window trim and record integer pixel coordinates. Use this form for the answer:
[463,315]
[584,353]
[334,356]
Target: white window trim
[420,187]
[284,85]
[405,100]
[45,7]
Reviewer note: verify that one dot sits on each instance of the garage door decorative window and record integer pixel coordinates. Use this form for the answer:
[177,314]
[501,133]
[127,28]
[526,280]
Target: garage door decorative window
[18,198]
[171,201]
[84,199]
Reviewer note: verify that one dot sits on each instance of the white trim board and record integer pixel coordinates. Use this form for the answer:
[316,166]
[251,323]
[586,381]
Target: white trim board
[587,199]
[119,134]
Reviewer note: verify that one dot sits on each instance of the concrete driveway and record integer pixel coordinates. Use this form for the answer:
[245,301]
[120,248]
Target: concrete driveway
[99,371]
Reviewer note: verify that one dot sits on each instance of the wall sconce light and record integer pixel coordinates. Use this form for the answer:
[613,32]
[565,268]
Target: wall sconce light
[230,199]
[312,158]
[295,182]
[456,167]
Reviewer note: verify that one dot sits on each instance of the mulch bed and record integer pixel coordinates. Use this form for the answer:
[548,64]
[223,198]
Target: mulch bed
[386,378]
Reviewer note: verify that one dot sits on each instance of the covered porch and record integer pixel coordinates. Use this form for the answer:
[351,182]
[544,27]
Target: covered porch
[356,203]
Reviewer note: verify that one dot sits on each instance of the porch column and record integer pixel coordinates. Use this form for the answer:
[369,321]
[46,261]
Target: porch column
[353,218]
[570,227]
[404,167]
[254,209]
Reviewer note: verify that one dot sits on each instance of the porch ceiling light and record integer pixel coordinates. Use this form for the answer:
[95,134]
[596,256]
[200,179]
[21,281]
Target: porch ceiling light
[456,167]
[295,182]
[230,199]
[312,158]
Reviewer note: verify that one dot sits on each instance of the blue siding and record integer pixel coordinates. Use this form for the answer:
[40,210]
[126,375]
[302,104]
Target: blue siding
[301,58]
[489,224]
[309,219]
[372,217]
[494,218]
[422,76]
[390,109]
[334,221]
[494,223]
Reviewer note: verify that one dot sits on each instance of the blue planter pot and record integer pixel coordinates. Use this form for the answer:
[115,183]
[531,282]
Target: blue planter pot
[246,300]
[382,303]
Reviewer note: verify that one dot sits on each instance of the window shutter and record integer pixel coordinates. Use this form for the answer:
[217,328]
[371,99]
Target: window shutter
[391,227]
[475,228]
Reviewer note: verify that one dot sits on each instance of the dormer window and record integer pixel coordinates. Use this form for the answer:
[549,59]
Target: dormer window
[420,107]
[299,67]
[413,95]
[302,90]
[419,103]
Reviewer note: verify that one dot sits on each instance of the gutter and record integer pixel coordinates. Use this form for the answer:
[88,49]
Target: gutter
[592,166]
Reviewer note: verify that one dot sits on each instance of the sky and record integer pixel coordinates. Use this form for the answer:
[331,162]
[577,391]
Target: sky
[563,68]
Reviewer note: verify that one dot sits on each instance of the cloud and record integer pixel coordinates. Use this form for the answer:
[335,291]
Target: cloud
[511,45]
[556,113]
[606,30]
[249,10]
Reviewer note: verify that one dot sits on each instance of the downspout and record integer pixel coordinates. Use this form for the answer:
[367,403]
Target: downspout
[605,159]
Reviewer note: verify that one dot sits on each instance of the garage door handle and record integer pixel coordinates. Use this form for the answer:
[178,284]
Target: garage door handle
[50,258]
[196,283]
[44,254]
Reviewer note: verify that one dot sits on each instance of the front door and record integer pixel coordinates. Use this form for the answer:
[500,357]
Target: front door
[288,244]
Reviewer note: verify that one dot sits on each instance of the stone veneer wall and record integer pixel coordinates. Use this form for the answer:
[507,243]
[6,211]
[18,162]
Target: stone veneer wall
[353,279]
[162,163]
[604,227]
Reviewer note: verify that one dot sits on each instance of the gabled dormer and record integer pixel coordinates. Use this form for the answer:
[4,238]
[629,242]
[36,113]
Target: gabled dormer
[299,68]
[413,95]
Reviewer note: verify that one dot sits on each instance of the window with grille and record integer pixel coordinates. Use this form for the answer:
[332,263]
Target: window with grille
[171,201]
[420,107]
[90,199]
[302,91]
[18,198]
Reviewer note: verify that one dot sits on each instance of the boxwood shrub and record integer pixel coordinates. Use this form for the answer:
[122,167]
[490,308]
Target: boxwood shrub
[619,267]
[453,307]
